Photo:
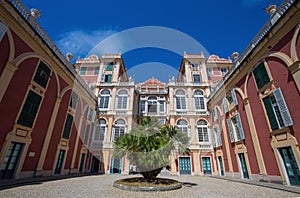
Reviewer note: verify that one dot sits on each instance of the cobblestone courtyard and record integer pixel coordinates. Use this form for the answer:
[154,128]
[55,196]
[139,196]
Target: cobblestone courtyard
[101,186]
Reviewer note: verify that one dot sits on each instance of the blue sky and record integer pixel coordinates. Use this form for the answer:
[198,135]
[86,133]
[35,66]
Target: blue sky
[220,27]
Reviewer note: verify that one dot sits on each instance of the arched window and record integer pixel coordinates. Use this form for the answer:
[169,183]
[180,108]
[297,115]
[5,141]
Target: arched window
[202,131]
[182,126]
[152,104]
[122,99]
[103,99]
[119,129]
[180,100]
[100,130]
[199,100]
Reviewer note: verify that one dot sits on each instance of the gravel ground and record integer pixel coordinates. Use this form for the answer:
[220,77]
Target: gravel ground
[101,186]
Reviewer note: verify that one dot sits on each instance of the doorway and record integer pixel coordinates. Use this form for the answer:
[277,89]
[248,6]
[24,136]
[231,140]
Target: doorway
[185,166]
[116,165]
[206,165]
[290,164]
[243,166]
[11,160]
[221,166]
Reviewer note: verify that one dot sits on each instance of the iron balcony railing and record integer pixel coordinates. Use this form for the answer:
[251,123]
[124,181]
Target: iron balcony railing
[39,30]
[257,39]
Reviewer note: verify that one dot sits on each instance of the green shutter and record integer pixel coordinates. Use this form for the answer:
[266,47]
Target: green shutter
[109,66]
[271,113]
[68,126]
[261,75]
[29,109]
[284,111]
[109,77]
[219,136]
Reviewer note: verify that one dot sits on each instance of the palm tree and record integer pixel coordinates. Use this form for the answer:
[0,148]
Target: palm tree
[149,146]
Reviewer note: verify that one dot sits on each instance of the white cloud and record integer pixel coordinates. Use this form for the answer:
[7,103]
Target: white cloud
[79,42]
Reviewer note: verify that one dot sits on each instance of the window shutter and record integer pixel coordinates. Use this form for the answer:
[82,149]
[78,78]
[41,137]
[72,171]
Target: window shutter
[230,130]
[3,30]
[102,78]
[261,75]
[284,111]
[234,99]
[271,114]
[219,136]
[225,105]
[240,126]
[213,139]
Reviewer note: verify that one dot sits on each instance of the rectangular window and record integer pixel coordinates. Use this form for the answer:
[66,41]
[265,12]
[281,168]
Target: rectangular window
[29,109]
[277,111]
[107,78]
[161,106]
[203,134]
[42,75]
[119,131]
[3,30]
[122,102]
[199,103]
[68,126]
[196,78]
[109,66]
[223,71]
[195,67]
[83,71]
[143,106]
[180,103]
[99,132]
[261,75]
[103,102]
[96,70]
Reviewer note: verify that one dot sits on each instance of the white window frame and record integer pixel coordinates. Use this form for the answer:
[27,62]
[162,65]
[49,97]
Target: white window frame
[99,126]
[118,125]
[199,96]
[104,95]
[181,98]
[180,126]
[203,126]
[121,105]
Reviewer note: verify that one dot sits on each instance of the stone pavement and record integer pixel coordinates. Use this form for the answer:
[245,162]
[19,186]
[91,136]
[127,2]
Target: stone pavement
[101,186]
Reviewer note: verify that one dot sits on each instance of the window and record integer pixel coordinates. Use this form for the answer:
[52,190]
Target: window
[107,78]
[96,70]
[73,100]
[235,128]
[119,129]
[161,106]
[195,67]
[122,99]
[103,99]
[277,111]
[109,66]
[68,126]
[202,131]
[86,134]
[152,104]
[100,130]
[233,97]
[180,100]
[223,71]
[83,71]
[214,114]
[261,75]
[143,106]
[182,126]
[42,75]
[199,100]
[90,114]
[209,71]
[29,109]
[3,30]
[196,78]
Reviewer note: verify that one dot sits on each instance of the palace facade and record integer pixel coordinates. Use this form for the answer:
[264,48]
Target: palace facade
[241,116]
